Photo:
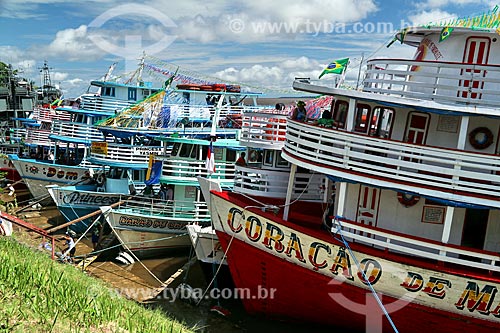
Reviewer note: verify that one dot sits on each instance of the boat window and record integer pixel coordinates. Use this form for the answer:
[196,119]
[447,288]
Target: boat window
[218,153]
[381,122]
[190,192]
[185,150]
[230,155]
[340,113]
[362,119]
[175,149]
[254,156]
[194,151]
[280,162]
[108,91]
[132,94]
[137,175]
[268,157]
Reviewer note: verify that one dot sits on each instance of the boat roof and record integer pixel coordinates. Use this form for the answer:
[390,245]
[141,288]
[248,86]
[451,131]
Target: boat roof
[99,83]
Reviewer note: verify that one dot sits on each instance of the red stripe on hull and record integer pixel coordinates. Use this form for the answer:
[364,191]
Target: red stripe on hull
[303,295]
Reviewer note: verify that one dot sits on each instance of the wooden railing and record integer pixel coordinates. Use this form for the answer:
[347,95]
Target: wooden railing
[399,165]
[416,247]
[448,82]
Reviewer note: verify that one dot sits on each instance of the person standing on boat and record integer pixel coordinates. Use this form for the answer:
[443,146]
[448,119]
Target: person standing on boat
[300,113]
[241,160]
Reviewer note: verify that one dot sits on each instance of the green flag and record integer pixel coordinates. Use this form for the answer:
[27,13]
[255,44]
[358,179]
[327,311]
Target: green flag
[335,67]
[445,33]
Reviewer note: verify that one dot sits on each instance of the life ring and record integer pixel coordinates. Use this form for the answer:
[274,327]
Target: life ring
[481,138]
[408,200]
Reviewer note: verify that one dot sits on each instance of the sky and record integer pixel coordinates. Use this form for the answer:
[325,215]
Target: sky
[261,43]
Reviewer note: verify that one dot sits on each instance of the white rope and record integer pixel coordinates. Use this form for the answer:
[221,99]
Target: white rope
[375,295]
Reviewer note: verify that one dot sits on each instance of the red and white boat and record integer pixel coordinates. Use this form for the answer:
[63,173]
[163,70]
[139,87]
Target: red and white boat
[415,235]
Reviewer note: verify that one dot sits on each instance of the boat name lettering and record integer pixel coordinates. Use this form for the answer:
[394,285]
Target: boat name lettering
[150,223]
[337,260]
[274,239]
[86,198]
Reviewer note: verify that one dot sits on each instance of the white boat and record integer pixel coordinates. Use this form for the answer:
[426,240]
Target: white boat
[411,240]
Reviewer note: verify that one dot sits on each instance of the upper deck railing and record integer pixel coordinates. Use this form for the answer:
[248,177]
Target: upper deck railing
[104,105]
[187,170]
[128,155]
[263,130]
[399,165]
[76,131]
[446,82]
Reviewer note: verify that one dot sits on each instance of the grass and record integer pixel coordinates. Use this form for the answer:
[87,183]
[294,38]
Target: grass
[40,295]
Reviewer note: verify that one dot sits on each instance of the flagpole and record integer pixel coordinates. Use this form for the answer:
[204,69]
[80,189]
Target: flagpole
[359,69]
[343,74]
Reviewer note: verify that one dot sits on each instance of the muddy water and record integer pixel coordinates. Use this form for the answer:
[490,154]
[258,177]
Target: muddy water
[200,317]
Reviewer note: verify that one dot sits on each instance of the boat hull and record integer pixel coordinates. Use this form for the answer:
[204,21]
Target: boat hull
[306,275]
[37,175]
[149,236]
[76,201]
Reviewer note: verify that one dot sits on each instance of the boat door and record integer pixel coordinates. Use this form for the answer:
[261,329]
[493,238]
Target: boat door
[368,202]
[417,126]
[476,52]
[474,229]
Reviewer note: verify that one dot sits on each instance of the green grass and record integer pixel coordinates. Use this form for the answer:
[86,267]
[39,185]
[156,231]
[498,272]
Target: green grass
[40,295]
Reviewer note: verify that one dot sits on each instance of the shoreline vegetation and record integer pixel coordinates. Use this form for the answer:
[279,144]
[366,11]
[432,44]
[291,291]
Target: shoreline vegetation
[41,295]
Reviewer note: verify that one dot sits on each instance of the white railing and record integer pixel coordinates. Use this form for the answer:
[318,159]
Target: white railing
[399,163]
[447,82]
[271,183]
[262,129]
[37,136]
[79,131]
[50,114]
[188,211]
[188,170]
[416,247]
[105,105]
[18,134]
[122,153]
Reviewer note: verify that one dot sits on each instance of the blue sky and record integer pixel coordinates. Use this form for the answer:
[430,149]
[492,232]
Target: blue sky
[260,42]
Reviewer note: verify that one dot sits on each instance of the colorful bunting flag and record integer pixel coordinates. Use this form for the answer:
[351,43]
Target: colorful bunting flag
[335,67]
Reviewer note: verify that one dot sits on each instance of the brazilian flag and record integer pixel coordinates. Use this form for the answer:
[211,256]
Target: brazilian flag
[445,33]
[335,67]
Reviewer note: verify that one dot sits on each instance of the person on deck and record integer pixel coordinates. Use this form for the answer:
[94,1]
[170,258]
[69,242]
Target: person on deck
[241,160]
[300,113]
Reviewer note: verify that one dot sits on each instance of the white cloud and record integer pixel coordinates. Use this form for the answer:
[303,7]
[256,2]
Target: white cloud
[435,15]
[74,44]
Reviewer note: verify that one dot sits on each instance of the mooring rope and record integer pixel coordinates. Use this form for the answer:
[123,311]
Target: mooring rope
[346,244]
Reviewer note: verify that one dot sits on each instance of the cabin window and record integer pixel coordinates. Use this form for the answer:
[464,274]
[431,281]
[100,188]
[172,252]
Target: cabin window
[185,150]
[362,119]
[190,192]
[230,155]
[268,157]
[381,122]
[340,113]
[108,91]
[281,162]
[175,149]
[132,94]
